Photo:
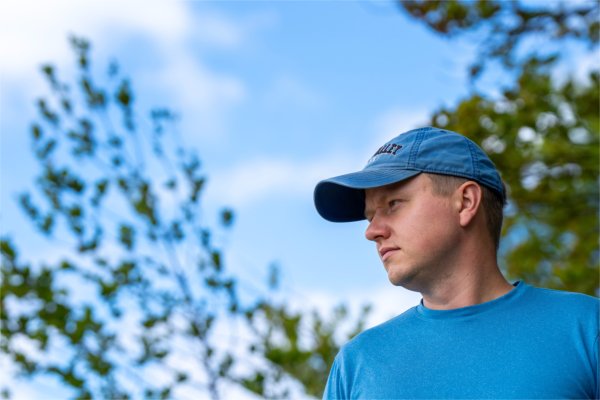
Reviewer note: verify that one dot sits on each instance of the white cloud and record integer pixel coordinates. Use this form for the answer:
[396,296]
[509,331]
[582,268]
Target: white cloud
[31,31]
[34,32]
[394,121]
[289,91]
[202,96]
[213,29]
[21,388]
[387,300]
[253,180]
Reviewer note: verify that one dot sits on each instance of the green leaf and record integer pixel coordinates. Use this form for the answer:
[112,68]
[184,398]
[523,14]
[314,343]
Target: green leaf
[124,95]
[47,224]
[181,377]
[216,259]
[99,364]
[7,250]
[46,150]
[227,217]
[197,185]
[107,289]
[72,380]
[100,187]
[36,132]
[255,384]
[225,365]
[165,393]
[126,236]
[75,212]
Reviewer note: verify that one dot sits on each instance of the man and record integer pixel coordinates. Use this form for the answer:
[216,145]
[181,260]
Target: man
[434,200]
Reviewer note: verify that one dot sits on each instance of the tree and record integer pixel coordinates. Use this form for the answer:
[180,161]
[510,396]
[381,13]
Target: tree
[542,134]
[141,303]
[505,26]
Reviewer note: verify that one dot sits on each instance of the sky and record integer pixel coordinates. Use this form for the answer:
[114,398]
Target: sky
[274,96]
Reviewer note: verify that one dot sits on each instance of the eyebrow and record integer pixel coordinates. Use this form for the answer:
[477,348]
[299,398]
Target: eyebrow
[393,190]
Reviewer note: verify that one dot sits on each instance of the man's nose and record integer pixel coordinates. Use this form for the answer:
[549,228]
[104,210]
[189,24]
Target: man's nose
[377,228]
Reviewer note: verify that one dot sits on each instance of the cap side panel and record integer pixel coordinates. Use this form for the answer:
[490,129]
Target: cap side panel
[474,159]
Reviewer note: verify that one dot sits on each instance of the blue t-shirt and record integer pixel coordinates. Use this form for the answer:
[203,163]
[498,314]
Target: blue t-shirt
[530,343]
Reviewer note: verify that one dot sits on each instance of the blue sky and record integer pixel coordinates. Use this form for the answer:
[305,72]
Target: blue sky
[274,96]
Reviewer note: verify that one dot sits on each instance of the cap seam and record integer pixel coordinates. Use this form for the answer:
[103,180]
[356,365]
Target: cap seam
[474,160]
[415,148]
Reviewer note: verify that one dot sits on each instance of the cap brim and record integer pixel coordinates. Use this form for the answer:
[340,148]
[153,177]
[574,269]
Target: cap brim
[342,198]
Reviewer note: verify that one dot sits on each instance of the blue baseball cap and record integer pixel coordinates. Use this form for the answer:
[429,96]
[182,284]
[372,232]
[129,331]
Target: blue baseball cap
[433,150]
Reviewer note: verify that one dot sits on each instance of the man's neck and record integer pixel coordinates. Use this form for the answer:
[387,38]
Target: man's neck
[467,289]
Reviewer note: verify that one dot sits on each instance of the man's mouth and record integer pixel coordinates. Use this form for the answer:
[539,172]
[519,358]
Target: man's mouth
[387,252]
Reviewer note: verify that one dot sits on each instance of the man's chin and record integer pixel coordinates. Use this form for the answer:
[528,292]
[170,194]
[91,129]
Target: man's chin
[405,280]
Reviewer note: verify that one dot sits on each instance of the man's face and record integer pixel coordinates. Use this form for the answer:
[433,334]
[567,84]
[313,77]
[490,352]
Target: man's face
[415,230]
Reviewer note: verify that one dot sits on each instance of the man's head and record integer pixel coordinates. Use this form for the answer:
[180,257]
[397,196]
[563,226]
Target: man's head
[447,157]
[418,232]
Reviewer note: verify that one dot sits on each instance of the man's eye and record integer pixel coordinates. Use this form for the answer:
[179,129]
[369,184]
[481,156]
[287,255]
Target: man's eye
[394,203]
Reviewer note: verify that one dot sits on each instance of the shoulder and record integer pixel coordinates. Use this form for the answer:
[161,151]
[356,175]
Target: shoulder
[561,308]
[563,300]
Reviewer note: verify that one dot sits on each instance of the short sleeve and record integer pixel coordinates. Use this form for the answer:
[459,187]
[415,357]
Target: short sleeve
[597,372]
[335,388]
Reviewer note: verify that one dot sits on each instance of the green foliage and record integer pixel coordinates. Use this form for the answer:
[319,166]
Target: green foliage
[50,315]
[543,135]
[124,204]
[301,345]
[503,26]
[91,171]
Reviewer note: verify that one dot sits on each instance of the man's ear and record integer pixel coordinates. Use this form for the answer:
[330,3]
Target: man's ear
[468,197]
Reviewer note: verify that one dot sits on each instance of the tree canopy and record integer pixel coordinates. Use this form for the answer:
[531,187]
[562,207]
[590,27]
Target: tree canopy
[504,27]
